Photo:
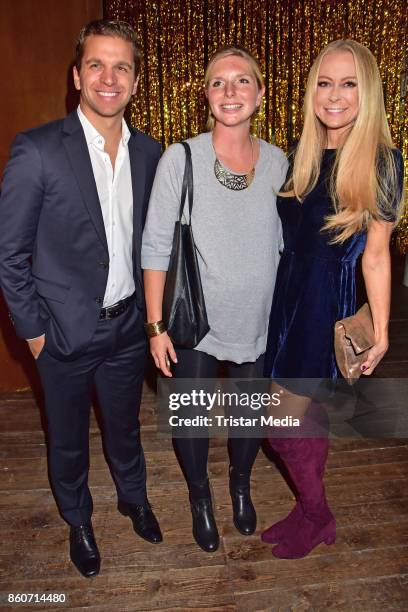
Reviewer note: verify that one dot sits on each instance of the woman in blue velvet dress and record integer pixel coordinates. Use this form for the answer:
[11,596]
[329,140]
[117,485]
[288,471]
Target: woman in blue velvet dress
[341,200]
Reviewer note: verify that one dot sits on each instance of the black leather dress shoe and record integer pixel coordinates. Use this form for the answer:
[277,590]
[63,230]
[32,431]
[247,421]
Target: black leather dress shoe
[83,550]
[244,515]
[144,522]
[205,530]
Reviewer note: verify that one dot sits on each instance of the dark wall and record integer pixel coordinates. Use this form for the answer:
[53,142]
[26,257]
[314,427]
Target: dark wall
[37,39]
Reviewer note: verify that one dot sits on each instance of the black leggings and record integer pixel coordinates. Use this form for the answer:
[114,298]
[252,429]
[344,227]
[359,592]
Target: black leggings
[192,453]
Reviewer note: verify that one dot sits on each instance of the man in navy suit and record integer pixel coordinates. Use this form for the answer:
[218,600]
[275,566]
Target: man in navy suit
[73,203]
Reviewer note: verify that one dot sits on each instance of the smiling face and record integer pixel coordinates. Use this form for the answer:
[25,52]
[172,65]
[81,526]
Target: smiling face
[106,78]
[232,91]
[336,98]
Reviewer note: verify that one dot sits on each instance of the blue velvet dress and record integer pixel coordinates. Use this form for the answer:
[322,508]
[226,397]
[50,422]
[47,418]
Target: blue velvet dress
[315,285]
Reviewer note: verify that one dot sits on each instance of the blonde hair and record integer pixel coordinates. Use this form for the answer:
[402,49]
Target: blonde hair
[363,184]
[227,52]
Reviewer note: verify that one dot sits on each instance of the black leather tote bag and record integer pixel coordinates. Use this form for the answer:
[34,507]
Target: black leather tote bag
[184,310]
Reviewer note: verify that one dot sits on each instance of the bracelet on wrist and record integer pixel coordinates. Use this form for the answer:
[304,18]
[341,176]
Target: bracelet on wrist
[154,329]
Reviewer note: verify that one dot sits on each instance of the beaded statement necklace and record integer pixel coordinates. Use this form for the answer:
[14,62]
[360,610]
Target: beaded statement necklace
[236,182]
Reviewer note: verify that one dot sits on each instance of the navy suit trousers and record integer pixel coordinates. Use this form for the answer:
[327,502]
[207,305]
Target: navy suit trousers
[114,362]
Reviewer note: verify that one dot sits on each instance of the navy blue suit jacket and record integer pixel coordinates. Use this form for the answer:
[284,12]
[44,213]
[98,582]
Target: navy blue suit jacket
[54,257]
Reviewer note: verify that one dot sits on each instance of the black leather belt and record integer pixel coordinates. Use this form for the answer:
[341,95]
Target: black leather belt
[110,312]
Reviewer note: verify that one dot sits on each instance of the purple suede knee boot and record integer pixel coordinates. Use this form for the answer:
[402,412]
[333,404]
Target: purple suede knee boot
[276,532]
[304,452]
[305,459]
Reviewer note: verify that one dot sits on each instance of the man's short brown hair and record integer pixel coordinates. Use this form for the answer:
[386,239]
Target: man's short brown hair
[106,27]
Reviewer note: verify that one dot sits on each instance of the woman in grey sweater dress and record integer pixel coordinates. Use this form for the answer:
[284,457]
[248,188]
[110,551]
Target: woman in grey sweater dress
[237,233]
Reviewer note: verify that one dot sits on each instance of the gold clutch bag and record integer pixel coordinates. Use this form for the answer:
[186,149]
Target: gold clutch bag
[353,338]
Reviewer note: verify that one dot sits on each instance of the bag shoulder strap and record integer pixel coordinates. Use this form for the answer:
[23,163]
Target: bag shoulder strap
[187,183]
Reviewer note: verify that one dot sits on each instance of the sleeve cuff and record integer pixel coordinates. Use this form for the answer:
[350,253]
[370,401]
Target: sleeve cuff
[26,330]
[150,262]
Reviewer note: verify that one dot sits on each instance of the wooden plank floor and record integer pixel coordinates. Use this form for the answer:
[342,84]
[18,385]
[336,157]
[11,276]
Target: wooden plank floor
[366,570]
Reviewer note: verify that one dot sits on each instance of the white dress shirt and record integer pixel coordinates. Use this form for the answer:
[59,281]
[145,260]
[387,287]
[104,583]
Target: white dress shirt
[115,194]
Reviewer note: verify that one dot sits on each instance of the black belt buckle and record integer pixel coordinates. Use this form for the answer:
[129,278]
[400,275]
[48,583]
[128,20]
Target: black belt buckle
[111,312]
[115,311]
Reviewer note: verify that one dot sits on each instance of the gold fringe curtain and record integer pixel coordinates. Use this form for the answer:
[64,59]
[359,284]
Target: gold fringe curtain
[179,36]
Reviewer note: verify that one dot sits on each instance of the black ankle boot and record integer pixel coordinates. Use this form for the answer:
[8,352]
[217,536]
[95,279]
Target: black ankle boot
[244,514]
[205,530]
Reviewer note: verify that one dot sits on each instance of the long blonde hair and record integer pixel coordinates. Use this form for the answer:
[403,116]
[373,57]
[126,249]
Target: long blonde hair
[364,182]
[227,52]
